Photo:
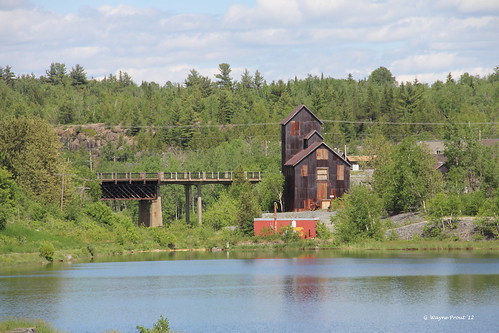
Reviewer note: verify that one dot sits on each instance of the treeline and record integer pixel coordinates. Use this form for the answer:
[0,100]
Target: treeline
[223,124]
[201,112]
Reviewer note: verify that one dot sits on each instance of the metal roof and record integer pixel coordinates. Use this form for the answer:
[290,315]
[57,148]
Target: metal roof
[296,111]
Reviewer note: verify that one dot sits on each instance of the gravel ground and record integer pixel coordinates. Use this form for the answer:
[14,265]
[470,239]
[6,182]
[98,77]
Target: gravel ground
[411,226]
[406,226]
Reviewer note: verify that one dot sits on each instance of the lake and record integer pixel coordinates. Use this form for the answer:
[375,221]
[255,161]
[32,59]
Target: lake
[293,291]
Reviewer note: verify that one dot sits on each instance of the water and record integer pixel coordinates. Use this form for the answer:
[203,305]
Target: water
[322,291]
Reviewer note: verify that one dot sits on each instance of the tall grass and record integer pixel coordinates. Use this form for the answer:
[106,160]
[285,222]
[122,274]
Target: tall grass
[39,325]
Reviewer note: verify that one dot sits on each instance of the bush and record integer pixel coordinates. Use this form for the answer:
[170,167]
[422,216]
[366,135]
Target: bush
[436,229]
[161,326]
[163,237]
[323,231]
[101,213]
[47,250]
[487,228]
[288,234]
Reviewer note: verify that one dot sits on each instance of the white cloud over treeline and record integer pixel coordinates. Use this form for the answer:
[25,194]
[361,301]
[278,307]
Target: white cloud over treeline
[423,39]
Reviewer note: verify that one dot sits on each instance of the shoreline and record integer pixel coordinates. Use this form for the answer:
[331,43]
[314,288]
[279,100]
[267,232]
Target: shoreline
[18,259]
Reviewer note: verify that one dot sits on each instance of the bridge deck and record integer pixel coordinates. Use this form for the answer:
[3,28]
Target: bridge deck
[183,178]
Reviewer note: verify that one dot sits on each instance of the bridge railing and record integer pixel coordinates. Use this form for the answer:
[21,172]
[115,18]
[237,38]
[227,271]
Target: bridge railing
[180,176]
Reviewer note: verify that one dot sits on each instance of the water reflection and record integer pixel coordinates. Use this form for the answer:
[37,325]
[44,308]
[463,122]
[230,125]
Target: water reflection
[308,291]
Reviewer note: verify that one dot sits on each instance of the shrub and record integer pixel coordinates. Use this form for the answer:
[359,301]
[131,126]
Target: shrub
[101,213]
[47,250]
[436,229]
[161,326]
[323,231]
[163,237]
[487,228]
[288,234]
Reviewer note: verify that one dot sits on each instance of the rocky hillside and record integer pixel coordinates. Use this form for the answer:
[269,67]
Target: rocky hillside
[93,137]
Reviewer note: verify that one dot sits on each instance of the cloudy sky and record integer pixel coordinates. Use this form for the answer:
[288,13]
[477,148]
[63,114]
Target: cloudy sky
[162,40]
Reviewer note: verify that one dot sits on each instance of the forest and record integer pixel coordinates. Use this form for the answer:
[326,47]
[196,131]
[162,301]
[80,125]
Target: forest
[226,124]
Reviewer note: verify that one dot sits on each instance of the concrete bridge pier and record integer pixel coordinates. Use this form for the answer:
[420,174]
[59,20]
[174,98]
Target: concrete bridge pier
[150,213]
[188,204]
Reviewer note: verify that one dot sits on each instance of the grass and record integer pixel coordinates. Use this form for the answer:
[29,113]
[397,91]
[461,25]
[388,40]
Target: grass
[39,325]
[20,242]
[425,245]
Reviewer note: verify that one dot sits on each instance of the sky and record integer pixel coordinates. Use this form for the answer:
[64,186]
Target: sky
[163,41]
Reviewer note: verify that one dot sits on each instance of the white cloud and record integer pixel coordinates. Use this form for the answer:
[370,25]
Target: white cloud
[280,38]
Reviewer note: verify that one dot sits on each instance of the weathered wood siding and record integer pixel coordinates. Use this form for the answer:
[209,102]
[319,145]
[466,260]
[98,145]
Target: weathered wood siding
[304,190]
[293,133]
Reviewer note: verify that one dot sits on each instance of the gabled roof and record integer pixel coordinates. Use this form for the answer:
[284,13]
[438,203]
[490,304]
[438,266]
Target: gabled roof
[293,161]
[296,111]
[309,135]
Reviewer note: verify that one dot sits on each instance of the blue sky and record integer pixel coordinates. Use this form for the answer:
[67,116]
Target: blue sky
[163,40]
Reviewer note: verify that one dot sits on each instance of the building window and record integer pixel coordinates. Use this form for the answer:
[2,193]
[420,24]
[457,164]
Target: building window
[295,128]
[340,172]
[322,173]
[322,154]
[304,170]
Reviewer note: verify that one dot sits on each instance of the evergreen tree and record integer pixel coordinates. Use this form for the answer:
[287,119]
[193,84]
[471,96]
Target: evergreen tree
[78,75]
[224,78]
[56,74]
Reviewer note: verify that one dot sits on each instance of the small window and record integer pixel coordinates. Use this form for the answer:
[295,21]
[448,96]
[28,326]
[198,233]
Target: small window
[295,128]
[340,172]
[304,170]
[322,154]
[322,173]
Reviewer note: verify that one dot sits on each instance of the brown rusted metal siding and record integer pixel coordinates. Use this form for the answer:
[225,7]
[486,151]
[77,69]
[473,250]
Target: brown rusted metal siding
[292,144]
[303,152]
[304,190]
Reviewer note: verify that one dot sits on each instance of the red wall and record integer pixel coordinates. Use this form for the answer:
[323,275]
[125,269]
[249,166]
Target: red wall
[263,226]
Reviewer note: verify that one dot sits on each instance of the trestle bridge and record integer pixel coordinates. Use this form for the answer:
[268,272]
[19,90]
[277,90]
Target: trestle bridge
[144,186]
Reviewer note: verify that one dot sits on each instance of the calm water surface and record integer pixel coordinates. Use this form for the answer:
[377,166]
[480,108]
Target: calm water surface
[322,291]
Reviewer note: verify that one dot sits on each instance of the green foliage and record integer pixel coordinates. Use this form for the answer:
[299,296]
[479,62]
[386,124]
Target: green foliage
[487,228]
[288,234]
[11,324]
[322,231]
[406,177]
[29,149]
[47,250]
[161,326]
[437,228]
[360,217]
[381,76]
[222,212]
[164,237]
[270,190]
[8,196]
[247,204]
[472,165]
[101,213]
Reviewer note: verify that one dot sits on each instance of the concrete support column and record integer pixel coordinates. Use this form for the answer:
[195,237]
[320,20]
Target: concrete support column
[200,205]
[150,214]
[156,213]
[187,203]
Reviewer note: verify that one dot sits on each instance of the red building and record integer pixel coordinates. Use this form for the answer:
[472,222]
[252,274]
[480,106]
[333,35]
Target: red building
[305,227]
[314,172]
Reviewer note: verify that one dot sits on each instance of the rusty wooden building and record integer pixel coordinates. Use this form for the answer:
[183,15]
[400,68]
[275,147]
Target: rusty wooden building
[314,172]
